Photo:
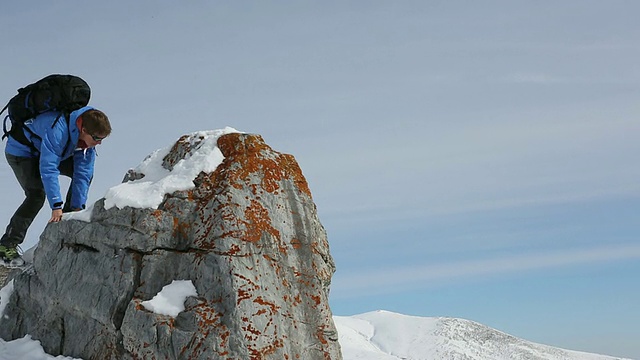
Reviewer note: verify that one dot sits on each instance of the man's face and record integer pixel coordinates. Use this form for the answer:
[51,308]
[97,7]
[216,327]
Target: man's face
[91,140]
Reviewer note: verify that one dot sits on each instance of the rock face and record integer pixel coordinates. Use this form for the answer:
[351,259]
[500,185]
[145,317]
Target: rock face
[247,236]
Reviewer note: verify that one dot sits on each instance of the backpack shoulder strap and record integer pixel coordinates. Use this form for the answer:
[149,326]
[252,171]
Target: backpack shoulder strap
[5,133]
[68,118]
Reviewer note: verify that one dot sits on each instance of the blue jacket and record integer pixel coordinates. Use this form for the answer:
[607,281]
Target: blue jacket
[58,142]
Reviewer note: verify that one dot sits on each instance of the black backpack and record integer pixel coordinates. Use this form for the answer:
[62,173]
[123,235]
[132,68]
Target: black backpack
[62,93]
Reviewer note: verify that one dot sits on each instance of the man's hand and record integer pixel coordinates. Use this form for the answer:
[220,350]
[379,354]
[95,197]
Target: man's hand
[56,215]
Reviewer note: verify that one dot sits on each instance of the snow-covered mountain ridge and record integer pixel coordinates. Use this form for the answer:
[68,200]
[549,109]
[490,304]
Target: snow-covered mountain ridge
[383,335]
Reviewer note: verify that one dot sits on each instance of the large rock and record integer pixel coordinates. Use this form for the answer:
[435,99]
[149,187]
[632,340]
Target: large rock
[247,236]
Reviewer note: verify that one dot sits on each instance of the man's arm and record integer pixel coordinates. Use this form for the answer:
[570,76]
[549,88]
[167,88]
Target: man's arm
[50,156]
[83,165]
[49,162]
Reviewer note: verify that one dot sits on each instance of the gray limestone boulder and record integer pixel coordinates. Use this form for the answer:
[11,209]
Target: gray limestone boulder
[247,236]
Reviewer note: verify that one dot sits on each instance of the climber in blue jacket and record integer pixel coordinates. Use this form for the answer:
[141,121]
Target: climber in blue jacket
[56,146]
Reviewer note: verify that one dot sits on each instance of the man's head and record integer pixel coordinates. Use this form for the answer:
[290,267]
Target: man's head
[94,127]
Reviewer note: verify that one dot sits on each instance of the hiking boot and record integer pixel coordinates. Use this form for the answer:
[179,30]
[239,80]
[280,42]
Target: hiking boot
[10,256]
[8,253]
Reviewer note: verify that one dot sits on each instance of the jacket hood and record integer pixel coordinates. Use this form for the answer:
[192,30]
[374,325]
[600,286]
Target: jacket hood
[75,114]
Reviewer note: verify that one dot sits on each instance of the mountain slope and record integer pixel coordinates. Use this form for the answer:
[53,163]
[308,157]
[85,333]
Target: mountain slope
[383,335]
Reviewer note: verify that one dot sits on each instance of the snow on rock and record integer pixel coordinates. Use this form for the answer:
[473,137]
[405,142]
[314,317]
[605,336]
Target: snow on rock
[26,348]
[149,191]
[170,301]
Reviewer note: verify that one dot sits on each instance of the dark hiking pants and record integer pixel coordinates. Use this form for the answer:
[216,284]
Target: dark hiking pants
[27,172]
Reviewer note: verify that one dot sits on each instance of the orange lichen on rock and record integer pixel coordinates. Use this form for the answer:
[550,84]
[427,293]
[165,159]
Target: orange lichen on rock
[272,306]
[250,155]
[257,222]
[297,244]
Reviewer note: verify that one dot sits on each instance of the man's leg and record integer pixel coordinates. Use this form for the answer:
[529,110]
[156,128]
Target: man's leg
[27,173]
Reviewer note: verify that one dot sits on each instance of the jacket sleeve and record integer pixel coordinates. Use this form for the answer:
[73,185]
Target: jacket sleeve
[83,163]
[51,149]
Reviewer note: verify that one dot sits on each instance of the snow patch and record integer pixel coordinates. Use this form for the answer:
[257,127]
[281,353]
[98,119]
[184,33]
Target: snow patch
[26,349]
[82,215]
[170,300]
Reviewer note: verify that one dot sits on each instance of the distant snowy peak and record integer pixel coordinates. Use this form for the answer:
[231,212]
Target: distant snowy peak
[383,335]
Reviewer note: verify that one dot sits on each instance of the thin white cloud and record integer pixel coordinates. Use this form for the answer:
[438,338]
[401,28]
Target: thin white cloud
[388,280]
[367,213]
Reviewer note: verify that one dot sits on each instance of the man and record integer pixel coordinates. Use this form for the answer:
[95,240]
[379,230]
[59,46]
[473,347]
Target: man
[58,147]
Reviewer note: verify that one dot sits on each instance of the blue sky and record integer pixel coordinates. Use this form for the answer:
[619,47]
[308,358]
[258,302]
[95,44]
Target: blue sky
[475,160]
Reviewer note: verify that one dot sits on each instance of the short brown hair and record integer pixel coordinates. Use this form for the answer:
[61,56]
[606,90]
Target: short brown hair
[96,122]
